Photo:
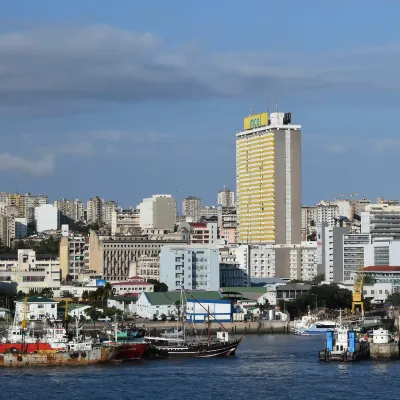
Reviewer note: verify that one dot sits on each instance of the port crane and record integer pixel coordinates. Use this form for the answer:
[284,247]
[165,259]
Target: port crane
[358,289]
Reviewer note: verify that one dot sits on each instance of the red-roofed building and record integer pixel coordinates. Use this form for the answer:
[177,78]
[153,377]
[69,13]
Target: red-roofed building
[199,232]
[384,274]
[134,285]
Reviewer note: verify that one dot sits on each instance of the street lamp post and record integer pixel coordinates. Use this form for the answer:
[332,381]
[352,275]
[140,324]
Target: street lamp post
[316,300]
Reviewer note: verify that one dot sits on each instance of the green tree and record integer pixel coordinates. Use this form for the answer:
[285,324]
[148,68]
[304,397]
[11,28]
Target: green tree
[394,299]
[93,314]
[318,279]
[47,292]
[368,280]
[111,312]
[158,286]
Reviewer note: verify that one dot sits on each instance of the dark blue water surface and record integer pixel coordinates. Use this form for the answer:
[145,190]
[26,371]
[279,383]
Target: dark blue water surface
[266,367]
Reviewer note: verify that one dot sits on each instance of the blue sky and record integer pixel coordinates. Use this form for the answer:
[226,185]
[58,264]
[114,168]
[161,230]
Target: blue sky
[124,99]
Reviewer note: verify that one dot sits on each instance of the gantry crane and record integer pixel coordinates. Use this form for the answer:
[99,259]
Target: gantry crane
[358,289]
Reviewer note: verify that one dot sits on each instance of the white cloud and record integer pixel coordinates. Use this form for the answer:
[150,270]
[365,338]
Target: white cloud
[36,167]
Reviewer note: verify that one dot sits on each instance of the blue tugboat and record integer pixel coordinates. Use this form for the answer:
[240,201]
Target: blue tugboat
[343,345]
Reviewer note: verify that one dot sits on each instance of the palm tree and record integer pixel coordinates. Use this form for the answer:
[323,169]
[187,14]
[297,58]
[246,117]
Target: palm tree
[47,292]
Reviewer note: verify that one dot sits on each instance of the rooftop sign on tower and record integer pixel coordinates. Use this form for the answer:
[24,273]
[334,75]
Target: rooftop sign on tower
[255,121]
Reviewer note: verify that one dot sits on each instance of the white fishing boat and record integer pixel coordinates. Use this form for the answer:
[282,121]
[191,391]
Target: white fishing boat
[318,328]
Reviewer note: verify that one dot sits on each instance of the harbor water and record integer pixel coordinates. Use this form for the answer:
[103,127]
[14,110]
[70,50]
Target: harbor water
[266,367]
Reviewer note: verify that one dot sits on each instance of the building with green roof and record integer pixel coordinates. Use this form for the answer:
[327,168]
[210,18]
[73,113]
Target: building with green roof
[37,308]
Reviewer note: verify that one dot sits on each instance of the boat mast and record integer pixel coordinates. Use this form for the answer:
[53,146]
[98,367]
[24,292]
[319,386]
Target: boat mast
[183,321]
[208,325]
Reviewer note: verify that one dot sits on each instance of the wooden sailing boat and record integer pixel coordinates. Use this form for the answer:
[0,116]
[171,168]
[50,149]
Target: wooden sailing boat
[183,348]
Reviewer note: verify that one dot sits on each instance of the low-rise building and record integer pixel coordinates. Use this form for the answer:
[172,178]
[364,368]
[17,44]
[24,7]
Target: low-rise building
[75,291]
[216,309]
[76,310]
[384,274]
[378,292]
[231,274]
[126,303]
[169,303]
[136,284]
[37,308]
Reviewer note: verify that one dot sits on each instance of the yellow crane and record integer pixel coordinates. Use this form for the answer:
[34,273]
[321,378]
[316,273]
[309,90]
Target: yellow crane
[358,289]
[66,310]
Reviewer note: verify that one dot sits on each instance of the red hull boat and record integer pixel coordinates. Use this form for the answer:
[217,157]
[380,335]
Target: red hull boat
[24,347]
[131,350]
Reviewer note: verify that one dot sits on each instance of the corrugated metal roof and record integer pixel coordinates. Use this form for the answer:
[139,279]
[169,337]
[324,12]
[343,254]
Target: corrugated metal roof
[255,289]
[169,298]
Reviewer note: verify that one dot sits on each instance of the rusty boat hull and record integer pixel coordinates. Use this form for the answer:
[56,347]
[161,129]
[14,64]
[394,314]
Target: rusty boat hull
[96,355]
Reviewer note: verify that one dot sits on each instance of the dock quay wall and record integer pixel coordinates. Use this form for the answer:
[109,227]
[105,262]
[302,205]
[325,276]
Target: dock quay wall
[384,350]
[243,328]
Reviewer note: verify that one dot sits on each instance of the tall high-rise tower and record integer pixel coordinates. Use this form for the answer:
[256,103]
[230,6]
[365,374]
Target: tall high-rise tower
[268,173]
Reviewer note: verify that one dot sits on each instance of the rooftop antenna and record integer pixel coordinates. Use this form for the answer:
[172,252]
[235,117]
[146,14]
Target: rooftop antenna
[266,102]
[277,106]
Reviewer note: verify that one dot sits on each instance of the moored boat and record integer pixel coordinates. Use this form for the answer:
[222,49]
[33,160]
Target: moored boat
[222,345]
[181,348]
[344,346]
[20,347]
[318,328]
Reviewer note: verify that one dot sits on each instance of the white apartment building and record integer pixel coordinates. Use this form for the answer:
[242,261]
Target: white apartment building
[381,221]
[196,267]
[30,271]
[47,218]
[125,222]
[191,208]
[158,212]
[297,261]
[327,212]
[354,246]
[226,197]
[303,261]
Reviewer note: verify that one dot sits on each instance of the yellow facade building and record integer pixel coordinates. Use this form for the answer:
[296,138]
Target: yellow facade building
[268,171]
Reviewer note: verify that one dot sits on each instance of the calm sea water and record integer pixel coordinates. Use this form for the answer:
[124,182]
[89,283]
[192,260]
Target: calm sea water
[266,367]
